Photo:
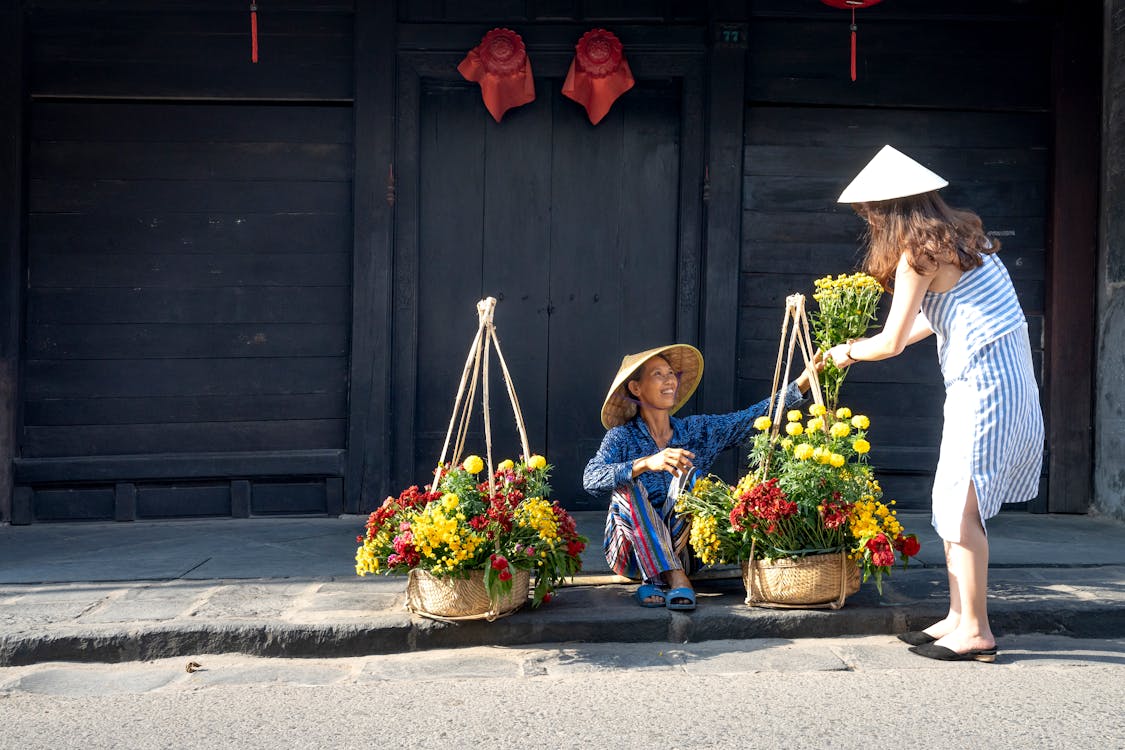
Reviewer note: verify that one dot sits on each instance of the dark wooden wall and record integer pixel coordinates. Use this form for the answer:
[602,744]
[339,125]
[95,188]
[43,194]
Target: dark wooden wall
[189,253]
[966,90]
[215,276]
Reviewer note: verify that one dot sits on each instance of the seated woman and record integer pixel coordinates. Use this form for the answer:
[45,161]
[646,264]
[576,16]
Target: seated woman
[647,456]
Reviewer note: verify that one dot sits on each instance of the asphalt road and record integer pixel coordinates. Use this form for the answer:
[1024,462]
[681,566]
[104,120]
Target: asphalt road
[863,692]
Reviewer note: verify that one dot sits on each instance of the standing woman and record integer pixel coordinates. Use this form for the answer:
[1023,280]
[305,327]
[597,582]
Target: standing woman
[948,280]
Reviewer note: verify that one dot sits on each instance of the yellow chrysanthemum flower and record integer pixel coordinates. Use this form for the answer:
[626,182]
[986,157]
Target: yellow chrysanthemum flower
[536,462]
[794,429]
[762,423]
[821,454]
[794,415]
[836,460]
[803,452]
[840,429]
[817,410]
[787,444]
[473,464]
[861,446]
[505,465]
[860,422]
[843,413]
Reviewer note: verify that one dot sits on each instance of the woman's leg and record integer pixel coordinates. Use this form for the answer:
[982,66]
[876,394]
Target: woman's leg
[944,627]
[638,543]
[968,584]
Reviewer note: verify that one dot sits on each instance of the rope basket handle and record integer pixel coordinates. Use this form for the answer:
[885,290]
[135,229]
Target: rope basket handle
[476,368]
[798,334]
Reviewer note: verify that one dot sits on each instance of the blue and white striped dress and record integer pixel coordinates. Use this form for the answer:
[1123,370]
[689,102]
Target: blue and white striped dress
[993,432]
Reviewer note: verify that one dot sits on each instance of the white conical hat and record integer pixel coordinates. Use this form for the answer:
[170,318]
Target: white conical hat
[891,174]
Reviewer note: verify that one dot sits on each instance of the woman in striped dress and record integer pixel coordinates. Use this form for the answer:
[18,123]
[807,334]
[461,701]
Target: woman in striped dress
[948,280]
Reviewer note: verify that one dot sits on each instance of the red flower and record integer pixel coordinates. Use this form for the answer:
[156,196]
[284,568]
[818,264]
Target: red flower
[908,545]
[547,597]
[574,548]
[505,575]
[881,552]
[499,562]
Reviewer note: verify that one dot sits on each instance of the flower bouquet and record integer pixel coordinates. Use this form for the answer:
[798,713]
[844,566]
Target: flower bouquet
[463,531]
[807,520]
[847,307]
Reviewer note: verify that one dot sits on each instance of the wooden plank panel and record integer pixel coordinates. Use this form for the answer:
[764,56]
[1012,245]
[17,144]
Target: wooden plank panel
[118,230]
[188,196]
[310,81]
[214,123]
[78,504]
[941,132]
[184,377]
[317,462]
[223,305]
[179,501]
[165,410]
[1073,259]
[123,160]
[952,65]
[199,271]
[369,377]
[517,262]
[12,111]
[280,435]
[450,251]
[153,341]
[277,498]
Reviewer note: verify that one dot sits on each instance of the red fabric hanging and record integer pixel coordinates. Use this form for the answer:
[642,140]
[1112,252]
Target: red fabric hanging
[852,5]
[598,74]
[500,65]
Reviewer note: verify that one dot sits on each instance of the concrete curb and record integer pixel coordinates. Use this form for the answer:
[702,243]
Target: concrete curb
[582,614]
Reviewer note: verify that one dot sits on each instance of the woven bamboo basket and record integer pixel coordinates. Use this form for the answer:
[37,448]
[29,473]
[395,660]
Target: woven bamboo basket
[462,598]
[812,582]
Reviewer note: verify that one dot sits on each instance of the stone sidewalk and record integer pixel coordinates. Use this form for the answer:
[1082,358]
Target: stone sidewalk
[286,587]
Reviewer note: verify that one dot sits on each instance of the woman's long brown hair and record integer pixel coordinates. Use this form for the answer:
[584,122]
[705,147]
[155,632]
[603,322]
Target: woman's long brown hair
[927,230]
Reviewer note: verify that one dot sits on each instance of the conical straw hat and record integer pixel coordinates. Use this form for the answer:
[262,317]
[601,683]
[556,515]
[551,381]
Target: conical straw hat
[619,406]
[891,174]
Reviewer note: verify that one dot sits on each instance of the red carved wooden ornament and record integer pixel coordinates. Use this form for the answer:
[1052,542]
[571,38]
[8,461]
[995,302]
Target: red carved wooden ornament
[500,65]
[598,73]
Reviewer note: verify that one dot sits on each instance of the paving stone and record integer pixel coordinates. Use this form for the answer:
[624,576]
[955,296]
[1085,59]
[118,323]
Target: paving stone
[94,681]
[148,610]
[425,666]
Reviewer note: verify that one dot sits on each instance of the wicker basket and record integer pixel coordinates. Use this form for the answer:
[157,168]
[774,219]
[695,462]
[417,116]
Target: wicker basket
[812,582]
[462,598]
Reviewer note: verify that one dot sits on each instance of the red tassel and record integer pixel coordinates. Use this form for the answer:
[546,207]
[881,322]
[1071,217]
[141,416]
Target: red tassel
[853,53]
[853,44]
[254,33]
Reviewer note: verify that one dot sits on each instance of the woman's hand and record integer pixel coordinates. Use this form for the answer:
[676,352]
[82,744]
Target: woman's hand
[672,460]
[839,355]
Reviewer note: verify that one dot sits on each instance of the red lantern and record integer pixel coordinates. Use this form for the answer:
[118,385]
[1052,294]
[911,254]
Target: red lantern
[851,5]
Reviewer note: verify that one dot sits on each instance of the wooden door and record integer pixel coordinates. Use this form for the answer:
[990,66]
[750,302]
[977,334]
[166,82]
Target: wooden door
[578,232]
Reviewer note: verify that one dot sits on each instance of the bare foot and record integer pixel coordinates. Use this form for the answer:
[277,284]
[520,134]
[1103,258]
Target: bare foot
[963,641]
[942,628]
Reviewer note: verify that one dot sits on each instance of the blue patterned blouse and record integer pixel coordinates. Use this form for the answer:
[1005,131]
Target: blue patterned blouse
[705,435]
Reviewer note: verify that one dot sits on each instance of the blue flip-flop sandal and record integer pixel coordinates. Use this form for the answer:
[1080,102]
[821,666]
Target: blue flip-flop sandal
[683,592]
[646,590]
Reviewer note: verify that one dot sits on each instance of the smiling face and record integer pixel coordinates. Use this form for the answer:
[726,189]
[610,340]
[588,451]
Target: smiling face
[655,384]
